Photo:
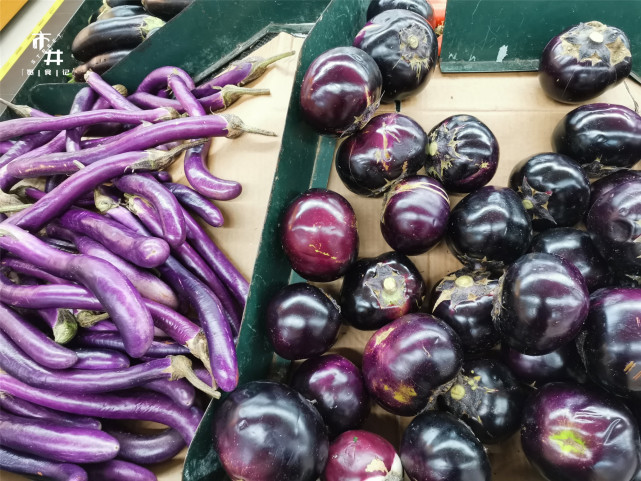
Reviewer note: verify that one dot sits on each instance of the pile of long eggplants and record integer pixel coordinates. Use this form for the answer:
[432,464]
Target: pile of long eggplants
[115,303]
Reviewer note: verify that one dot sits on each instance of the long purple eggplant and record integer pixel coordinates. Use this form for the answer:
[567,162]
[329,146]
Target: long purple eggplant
[24,110]
[203,181]
[82,102]
[34,343]
[110,94]
[183,94]
[56,442]
[31,193]
[23,408]
[223,125]
[17,127]
[239,73]
[16,363]
[88,178]
[100,359]
[62,323]
[157,79]
[117,295]
[22,463]
[197,203]
[147,448]
[179,390]
[112,340]
[119,469]
[27,144]
[168,209]
[144,406]
[5,146]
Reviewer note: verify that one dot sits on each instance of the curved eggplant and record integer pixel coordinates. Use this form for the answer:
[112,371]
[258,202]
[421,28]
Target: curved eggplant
[584,61]
[404,47]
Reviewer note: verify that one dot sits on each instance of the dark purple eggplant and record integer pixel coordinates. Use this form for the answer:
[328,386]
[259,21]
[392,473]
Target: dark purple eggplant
[436,446]
[148,448]
[377,290]
[390,147]
[611,343]
[607,183]
[362,456]
[113,34]
[614,223]
[341,90]
[601,137]
[121,11]
[415,214]
[404,47]
[562,364]
[489,228]
[541,304]
[584,61]
[302,321]
[462,153]
[336,388]
[554,189]
[119,469]
[576,247]
[22,463]
[165,9]
[319,235]
[265,431]
[405,361]
[488,398]
[99,64]
[463,299]
[571,433]
[422,7]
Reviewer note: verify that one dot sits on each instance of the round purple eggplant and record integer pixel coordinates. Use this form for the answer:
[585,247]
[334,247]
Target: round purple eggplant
[611,343]
[489,228]
[601,137]
[405,361]
[302,321]
[488,398]
[377,290]
[462,153]
[336,388]
[265,431]
[576,247]
[319,235]
[390,147]
[584,61]
[614,223]
[562,364]
[554,189]
[571,433]
[415,214]
[340,91]
[463,299]
[422,7]
[541,303]
[607,183]
[362,456]
[436,446]
[404,47]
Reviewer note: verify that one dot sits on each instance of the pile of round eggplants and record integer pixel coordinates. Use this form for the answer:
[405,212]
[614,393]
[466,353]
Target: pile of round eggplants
[538,332]
[111,290]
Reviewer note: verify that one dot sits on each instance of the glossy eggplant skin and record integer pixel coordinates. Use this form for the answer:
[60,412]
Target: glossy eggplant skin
[542,303]
[601,137]
[436,446]
[463,299]
[319,235]
[336,388]
[266,430]
[607,183]
[561,365]
[377,290]
[489,228]
[488,398]
[121,11]
[554,189]
[415,214]
[421,7]
[462,153]
[302,321]
[404,47]
[584,61]
[570,432]
[614,223]
[390,147]
[576,247]
[165,9]
[340,91]
[99,64]
[406,360]
[611,343]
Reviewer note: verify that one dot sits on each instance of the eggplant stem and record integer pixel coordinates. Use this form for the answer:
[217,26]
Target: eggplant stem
[236,127]
[90,318]
[231,93]
[65,328]
[199,348]
[181,368]
[21,110]
[634,101]
[258,69]
[6,209]
[103,202]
